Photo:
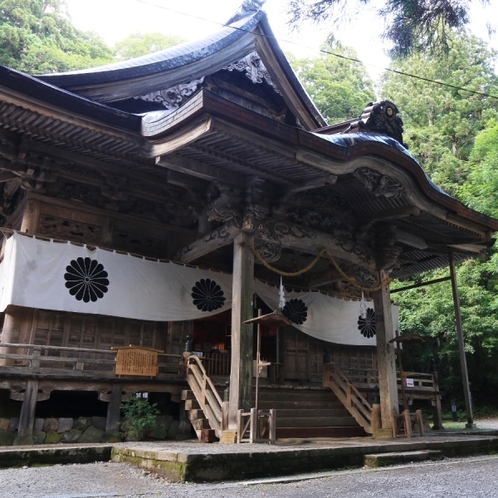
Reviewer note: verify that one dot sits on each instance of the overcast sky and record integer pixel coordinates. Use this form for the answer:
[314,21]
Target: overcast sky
[113,20]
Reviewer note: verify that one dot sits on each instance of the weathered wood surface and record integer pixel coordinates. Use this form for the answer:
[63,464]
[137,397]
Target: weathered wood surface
[386,363]
[242,333]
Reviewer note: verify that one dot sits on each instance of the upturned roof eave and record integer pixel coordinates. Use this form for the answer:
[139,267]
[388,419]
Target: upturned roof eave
[32,89]
[162,64]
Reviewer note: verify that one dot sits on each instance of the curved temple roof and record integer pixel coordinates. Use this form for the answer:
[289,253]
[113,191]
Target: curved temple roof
[242,142]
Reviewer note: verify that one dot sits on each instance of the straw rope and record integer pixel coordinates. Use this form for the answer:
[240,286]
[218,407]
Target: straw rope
[307,268]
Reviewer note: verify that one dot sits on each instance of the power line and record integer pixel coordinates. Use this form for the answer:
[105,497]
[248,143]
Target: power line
[327,52]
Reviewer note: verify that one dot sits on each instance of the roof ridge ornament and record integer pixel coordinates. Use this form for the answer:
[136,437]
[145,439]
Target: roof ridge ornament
[247,7]
[382,117]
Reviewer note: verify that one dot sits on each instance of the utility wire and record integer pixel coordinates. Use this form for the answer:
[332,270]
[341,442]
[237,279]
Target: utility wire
[327,52]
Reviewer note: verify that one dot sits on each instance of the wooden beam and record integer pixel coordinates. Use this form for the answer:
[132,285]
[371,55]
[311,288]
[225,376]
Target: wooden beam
[310,241]
[200,170]
[207,244]
[288,236]
[321,182]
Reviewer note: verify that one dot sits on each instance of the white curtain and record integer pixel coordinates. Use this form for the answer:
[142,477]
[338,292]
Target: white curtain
[67,277]
[62,276]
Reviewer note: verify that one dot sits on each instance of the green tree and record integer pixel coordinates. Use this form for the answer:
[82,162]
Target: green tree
[413,26]
[338,85]
[441,121]
[37,36]
[138,44]
[479,191]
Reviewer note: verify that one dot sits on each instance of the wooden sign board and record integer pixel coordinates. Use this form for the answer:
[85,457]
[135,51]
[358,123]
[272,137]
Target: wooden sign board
[136,361]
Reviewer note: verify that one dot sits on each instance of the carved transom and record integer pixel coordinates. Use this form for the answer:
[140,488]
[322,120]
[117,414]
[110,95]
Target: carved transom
[319,208]
[254,68]
[174,97]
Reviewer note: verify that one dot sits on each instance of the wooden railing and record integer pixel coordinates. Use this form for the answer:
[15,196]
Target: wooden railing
[56,358]
[217,363]
[348,395]
[205,393]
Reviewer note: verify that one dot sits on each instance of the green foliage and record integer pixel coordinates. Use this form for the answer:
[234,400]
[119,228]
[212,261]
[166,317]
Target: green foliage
[413,26]
[36,36]
[429,311]
[138,44]
[140,417]
[479,191]
[442,121]
[339,87]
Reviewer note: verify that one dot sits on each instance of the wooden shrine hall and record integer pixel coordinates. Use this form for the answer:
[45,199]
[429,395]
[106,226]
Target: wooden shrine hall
[153,206]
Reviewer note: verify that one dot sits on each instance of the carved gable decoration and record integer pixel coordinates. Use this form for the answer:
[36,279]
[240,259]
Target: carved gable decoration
[174,97]
[254,68]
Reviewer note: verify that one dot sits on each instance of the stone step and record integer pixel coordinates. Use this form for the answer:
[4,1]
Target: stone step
[311,412]
[394,458]
[316,421]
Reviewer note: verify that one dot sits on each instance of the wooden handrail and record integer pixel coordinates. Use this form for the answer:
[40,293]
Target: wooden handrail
[205,393]
[86,356]
[349,396]
[72,348]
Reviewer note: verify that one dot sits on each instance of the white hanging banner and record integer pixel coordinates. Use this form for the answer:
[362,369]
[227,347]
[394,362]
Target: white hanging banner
[67,277]
[327,318]
[61,276]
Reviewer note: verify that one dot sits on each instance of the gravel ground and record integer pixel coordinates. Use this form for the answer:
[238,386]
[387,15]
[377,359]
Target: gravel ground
[469,477]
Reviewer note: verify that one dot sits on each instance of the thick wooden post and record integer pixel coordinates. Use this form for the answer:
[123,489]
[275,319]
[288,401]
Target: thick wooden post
[10,334]
[461,344]
[242,333]
[31,216]
[114,409]
[28,408]
[386,360]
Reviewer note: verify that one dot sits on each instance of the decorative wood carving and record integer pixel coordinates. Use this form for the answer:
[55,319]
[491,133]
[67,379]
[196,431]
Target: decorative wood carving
[224,203]
[383,117]
[219,237]
[254,69]
[174,97]
[311,241]
[388,251]
[320,208]
[270,252]
[378,184]
[61,228]
[366,277]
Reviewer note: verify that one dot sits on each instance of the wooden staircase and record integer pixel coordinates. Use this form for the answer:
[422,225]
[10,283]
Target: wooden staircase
[349,396]
[301,412]
[308,413]
[203,404]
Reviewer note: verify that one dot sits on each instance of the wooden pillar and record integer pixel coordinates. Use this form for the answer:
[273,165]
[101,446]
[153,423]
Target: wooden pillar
[10,334]
[386,360]
[114,409]
[461,345]
[242,334]
[28,408]
[31,217]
